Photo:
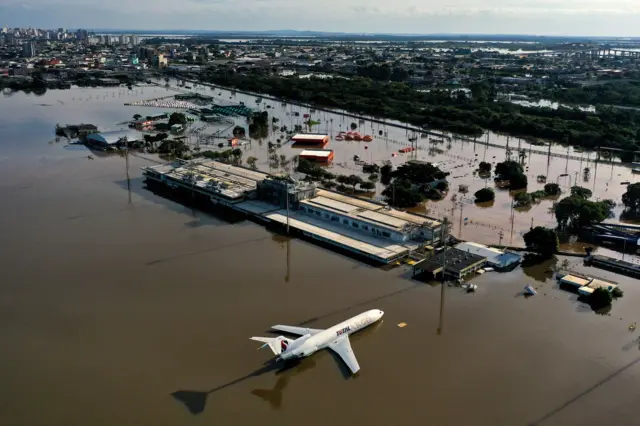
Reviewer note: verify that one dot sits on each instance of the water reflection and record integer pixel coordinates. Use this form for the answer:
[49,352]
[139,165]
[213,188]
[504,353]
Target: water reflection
[274,396]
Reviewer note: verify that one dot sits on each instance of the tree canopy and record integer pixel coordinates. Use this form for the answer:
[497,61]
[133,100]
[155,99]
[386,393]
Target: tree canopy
[484,195]
[177,118]
[575,212]
[578,191]
[418,173]
[631,198]
[552,189]
[484,167]
[541,240]
[400,194]
[513,172]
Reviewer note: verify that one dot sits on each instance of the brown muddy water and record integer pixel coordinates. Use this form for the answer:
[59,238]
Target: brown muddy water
[120,307]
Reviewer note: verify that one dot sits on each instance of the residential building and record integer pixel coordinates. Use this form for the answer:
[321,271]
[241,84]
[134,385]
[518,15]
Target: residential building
[29,49]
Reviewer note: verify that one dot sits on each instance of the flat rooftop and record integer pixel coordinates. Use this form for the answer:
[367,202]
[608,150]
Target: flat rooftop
[309,136]
[456,260]
[369,211]
[380,248]
[316,153]
[587,285]
[212,176]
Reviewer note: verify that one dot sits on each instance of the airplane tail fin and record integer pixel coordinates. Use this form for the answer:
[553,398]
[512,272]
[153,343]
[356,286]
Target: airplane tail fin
[276,344]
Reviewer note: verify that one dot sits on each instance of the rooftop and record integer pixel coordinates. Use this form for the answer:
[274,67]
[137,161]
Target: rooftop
[371,211]
[316,153]
[309,136]
[225,179]
[111,138]
[456,260]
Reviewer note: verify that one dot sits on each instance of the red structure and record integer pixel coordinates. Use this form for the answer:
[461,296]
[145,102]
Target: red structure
[324,156]
[310,139]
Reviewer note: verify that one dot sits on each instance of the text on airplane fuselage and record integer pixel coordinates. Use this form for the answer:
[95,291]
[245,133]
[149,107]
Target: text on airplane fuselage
[344,330]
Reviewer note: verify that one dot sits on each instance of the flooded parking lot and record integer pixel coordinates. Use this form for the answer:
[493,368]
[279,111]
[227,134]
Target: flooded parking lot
[459,156]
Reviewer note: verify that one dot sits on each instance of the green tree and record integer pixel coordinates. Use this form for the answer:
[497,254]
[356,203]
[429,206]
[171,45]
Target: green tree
[251,161]
[484,195]
[541,240]
[373,177]
[484,167]
[367,186]
[522,199]
[400,194]
[354,181]
[578,191]
[342,179]
[177,118]
[575,212]
[507,169]
[518,182]
[631,198]
[552,189]
[600,298]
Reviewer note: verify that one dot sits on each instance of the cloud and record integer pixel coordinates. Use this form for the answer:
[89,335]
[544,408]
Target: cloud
[581,17]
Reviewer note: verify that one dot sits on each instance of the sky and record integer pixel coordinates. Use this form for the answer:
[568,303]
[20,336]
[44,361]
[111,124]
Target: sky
[535,17]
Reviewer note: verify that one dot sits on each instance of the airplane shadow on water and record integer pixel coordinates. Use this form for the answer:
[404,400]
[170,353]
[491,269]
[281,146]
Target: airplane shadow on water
[195,401]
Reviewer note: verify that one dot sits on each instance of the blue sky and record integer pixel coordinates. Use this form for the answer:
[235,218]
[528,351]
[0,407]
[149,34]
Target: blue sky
[545,17]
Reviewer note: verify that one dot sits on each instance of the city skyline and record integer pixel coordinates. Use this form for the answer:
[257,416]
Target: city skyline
[616,18]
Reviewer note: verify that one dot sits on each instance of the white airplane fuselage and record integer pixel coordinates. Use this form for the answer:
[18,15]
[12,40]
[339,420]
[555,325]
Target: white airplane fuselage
[309,344]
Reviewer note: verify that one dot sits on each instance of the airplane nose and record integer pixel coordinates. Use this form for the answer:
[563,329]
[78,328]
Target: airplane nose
[381,313]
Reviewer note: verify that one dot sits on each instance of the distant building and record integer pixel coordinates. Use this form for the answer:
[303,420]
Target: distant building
[29,49]
[454,264]
[111,139]
[123,39]
[135,40]
[160,61]
[324,156]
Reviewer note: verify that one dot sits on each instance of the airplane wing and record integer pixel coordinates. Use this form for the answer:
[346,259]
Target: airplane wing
[301,331]
[342,347]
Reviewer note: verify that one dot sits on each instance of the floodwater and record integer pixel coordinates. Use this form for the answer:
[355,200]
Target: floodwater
[120,307]
[460,157]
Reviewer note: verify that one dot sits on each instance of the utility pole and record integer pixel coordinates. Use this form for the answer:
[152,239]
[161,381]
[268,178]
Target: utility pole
[501,235]
[445,230]
[287,195]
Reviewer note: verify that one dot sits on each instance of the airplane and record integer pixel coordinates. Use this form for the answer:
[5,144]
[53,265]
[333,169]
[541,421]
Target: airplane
[312,340]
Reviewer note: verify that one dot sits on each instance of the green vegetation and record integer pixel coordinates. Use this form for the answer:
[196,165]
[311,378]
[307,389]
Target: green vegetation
[313,170]
[437,109]
[522,199]
[400,193]
[552,189]
[259,125]
[631,200]
[600,298]
[484,195]
[484,168]
[617,293]
[542,241]
[251,162]
[233,156]
[625,93]
[173,148]
[512,172]
[177,118]
[412,183]
[576,212]
[578,191]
